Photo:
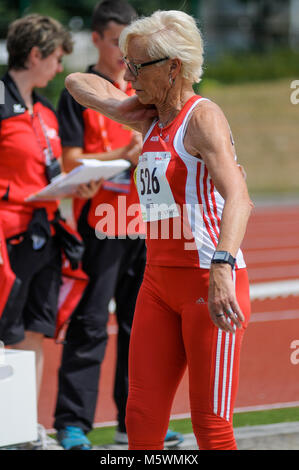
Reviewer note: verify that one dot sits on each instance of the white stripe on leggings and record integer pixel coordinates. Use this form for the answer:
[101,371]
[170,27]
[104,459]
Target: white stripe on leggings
[231,362]
[226,345]
[228,365]
[230,375]
[217,371]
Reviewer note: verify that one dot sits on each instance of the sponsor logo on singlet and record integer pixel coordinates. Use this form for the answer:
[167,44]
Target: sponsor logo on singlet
[18,108]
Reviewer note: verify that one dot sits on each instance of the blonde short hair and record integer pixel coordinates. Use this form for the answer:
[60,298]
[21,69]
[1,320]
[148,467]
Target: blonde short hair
[172,34]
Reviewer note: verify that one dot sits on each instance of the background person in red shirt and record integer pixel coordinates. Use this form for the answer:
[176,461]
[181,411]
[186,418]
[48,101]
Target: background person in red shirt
[29,152]
[114,257]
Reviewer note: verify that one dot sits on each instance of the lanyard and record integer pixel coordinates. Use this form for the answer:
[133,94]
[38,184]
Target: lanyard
[47,152]
[121,182]
[104,134]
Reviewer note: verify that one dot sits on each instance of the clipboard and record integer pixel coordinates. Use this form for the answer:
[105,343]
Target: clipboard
[65,184]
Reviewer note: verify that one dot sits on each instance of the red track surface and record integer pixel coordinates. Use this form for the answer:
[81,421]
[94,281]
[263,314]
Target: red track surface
[267,375]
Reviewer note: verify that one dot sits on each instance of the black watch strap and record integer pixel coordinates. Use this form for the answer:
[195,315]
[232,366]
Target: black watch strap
[223,257]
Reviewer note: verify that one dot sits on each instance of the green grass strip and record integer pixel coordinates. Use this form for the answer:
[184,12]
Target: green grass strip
[105,436]
[255,418]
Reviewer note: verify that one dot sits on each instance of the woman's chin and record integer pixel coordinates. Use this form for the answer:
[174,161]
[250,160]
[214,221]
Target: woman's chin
[143,98]
[42,84]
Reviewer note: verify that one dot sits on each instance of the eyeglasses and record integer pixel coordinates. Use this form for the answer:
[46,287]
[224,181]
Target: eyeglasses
[134,68]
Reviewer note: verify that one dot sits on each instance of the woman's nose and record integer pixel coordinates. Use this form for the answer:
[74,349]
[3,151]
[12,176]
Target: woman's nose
[129,76]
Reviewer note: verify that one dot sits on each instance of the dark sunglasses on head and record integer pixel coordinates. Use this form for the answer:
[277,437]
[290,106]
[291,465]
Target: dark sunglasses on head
[134,68]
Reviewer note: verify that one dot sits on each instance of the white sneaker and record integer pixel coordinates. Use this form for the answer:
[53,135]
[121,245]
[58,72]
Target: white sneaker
[43,442]
[121,438]
[172,438]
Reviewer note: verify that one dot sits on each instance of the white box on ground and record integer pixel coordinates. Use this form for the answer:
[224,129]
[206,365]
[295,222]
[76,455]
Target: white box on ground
[18,404]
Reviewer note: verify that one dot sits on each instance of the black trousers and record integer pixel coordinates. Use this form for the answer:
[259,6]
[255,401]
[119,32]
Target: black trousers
[39,274]
[115,268]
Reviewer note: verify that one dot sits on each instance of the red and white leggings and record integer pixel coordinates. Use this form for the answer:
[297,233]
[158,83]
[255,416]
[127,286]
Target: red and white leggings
[172,329]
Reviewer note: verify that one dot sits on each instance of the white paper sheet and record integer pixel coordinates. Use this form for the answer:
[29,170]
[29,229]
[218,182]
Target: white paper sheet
[64,185]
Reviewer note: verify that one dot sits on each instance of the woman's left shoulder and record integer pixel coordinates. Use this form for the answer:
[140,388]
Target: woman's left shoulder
[207,113]
[207,106]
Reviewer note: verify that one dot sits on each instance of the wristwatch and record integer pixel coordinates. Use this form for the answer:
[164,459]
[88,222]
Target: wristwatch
[223,257]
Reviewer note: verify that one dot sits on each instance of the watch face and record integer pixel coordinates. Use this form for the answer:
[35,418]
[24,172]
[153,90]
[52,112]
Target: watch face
[223,257]
[220,255]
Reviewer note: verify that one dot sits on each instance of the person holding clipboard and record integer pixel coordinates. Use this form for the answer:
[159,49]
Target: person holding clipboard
[30,152]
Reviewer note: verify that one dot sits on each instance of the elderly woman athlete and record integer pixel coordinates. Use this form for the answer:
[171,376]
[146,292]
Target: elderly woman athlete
[193,305]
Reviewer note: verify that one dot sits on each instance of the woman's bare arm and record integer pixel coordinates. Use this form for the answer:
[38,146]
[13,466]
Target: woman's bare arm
[208,137]
[96,93]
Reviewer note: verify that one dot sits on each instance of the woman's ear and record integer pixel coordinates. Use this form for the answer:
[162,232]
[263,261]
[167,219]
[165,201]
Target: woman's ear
[96,37]
[175,67]
[34,56]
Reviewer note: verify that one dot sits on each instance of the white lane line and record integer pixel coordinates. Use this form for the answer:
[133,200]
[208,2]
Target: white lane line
[259,291]
[112,330]
[274,316]
[269,406]
[254,318]
[272,243]
[273,272]
[271,256]
[274,289]
[242,409]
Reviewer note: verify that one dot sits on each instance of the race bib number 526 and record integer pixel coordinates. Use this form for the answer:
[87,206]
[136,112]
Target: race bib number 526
[155,195]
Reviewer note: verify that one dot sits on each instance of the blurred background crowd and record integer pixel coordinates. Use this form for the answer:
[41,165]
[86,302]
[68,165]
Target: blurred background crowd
[251,59]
